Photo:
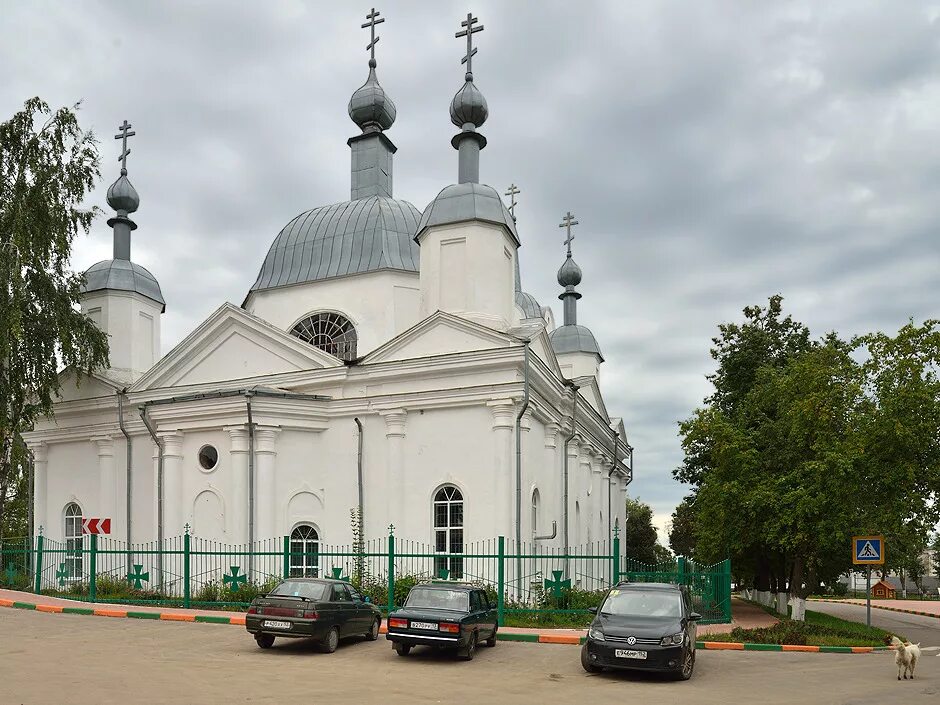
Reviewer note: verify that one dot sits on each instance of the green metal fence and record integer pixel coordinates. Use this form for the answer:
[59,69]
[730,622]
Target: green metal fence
[531,583]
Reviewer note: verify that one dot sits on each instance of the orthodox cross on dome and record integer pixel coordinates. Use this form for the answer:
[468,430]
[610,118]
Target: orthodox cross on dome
[468,33]
[125,132]
[513,190]
[373,39]
[566,223]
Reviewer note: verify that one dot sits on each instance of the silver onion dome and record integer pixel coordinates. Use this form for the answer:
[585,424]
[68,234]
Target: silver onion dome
[468,105]
[570,273]
[370,107]
[122,196]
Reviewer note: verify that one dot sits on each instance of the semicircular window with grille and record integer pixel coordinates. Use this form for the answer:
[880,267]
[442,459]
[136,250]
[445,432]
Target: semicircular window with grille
[330,332]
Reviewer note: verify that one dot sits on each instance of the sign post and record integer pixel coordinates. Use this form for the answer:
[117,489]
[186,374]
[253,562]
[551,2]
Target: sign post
[868,551]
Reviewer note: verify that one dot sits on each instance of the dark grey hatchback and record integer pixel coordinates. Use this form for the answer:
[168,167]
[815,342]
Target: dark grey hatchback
[326,610]
[643,626]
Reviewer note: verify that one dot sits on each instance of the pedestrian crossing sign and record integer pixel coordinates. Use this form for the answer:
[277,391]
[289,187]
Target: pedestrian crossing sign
[868,550]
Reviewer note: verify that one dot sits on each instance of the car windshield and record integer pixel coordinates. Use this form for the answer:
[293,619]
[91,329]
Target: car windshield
[297,588]
[438,599]
[643,603]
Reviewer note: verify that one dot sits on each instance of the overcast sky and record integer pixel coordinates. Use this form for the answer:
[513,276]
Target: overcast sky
[715,153]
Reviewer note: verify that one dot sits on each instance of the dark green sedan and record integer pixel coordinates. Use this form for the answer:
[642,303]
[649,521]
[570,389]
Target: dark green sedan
[443,615]
[325,610]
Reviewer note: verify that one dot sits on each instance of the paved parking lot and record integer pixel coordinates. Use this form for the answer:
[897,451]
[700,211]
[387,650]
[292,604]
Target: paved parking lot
[59,658]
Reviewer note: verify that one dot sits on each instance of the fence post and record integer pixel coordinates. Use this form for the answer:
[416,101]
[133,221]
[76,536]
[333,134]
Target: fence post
[286,570]
[680,570]
[186,585]
[38,583]
[615,572]
[93,578]
[501,581]
[391,568]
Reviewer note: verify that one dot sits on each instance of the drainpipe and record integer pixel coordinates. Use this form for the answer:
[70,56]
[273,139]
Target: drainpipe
[522,410]
[251,484]
[362,518]
[613,466]
[129,447]
[568,439]
[159,442]
[550,536]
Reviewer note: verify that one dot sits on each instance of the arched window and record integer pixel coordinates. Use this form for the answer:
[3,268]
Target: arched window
[304,552]
[536,502]
[448,530]
[330,332]
[73,542]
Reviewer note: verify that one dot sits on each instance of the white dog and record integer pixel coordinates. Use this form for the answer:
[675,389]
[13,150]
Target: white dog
[906,655]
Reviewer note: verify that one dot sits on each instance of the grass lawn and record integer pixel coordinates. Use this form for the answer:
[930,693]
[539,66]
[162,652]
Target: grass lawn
[818,630]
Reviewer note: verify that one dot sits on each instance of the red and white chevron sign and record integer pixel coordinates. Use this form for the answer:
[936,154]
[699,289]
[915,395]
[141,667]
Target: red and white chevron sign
[96,526]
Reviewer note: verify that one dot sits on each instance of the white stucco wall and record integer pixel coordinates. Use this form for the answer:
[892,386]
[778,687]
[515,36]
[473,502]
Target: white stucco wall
[132,323]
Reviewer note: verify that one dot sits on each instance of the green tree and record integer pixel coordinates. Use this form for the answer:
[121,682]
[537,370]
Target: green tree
[682,531]
[639,539]
[47,166]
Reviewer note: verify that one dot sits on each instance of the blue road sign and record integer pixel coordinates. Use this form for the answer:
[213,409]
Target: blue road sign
[868,550]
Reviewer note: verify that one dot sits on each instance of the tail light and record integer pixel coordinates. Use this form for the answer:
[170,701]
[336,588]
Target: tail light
[449,628]
[255,610]
[398,623]
[311,614]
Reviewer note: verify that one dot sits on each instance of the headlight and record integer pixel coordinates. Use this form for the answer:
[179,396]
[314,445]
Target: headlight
[674,640]
[596,634]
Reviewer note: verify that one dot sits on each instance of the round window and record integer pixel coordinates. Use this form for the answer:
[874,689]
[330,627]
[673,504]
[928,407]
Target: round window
[208,457]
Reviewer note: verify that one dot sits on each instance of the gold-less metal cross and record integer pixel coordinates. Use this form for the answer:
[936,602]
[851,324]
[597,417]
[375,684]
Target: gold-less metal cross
[468,33]
[513,190]
[125,133]
[566,223]
[371,25]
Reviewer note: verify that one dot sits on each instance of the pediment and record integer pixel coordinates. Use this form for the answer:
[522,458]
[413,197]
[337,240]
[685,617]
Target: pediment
[591,393]
[229,345]
[439,334]
[73,387]
[541,345]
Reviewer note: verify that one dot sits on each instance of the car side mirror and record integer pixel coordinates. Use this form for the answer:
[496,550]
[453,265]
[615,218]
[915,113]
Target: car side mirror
[592,610]
[367,599]
[694,617]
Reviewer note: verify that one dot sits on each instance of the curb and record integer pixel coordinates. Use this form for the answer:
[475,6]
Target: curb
[881,607]
[739,646]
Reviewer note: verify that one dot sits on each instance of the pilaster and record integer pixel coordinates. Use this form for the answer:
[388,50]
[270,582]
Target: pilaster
[396,479]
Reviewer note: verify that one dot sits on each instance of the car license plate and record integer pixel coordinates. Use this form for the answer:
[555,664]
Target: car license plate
[271,624]
[627,653]
[424,625]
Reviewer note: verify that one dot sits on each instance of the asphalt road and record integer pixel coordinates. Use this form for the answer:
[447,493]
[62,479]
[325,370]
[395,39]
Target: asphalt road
[58,658]
[923,630]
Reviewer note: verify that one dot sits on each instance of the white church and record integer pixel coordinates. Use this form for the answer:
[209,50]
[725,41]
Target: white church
[385,358]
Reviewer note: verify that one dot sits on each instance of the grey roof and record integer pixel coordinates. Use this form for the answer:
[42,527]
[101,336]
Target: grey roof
[345,238]
[122,275]
[574,338]
[528,304]
[458,203]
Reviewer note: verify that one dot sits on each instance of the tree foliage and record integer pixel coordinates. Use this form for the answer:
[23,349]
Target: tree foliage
[638,540]
[47,166]
[682,531]
[806,442]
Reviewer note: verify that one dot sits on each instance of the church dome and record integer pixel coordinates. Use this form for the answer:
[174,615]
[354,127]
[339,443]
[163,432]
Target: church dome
[574,338]
[370,107]
[353,237]
[468,105]
[570,273]
[122,275]
[122,196]
[529,305]
[458,203]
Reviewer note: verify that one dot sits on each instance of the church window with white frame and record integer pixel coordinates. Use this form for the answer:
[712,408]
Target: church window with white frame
[536,502]
[304,552]
[448,531]
[73,542]
[330,332]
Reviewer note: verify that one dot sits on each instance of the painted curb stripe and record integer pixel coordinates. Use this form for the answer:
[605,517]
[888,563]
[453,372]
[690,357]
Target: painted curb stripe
[799,647]
[762,647]
[175,617]
[559,639]
[739,646]
[6,603]
[503,636]
[721,645]
[77,610]
[110,613]
[24,605]
[143,615]
[238,621]
[54,609]
[209,619]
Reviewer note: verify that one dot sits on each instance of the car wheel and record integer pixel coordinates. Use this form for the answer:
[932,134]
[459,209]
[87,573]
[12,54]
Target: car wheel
[586,663]
[466,653]
[331,641]
[265,641]
[491,642]
[402,649]
[373,633]
[688,665]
